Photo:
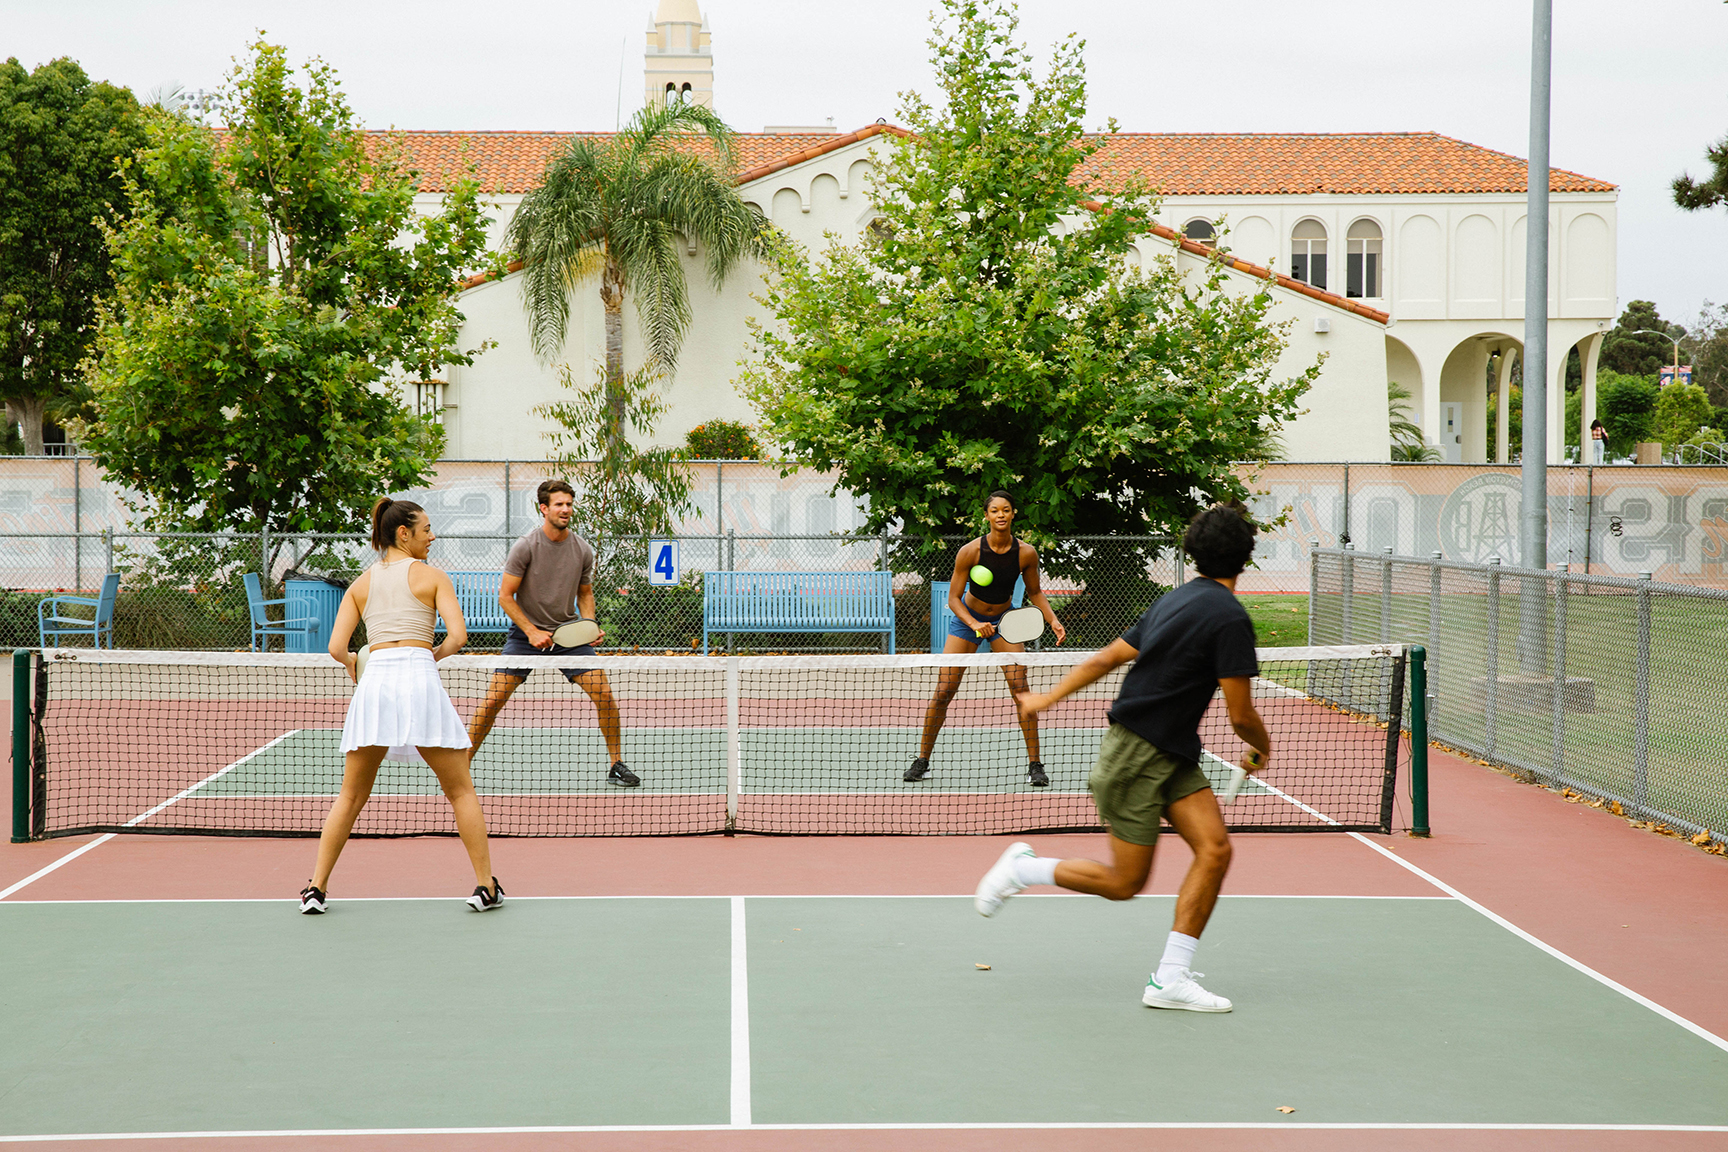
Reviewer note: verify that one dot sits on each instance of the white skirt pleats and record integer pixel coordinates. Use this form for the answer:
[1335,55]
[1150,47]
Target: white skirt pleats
[400,704]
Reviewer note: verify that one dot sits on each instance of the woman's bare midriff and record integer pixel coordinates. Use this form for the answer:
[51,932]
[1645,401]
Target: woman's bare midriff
[976,605]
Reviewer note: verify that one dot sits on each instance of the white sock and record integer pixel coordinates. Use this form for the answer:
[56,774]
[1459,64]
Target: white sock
[1035,869]
[1178,955]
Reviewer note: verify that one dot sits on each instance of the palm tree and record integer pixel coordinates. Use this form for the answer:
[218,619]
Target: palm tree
[617,207]
[1407,442]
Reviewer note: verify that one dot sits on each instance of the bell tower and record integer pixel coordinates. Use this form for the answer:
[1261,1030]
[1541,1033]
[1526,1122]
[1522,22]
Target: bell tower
[678,64]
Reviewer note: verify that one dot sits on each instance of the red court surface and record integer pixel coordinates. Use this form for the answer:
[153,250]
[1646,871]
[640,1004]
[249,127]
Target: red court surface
[1646,912]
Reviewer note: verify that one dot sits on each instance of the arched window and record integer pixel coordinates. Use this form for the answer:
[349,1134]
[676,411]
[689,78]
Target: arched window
[1308,253]
[1200,231]
[1363,266]
[671,91]
[685,92]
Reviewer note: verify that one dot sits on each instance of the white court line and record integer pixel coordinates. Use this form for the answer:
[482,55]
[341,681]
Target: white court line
[66,859]
[218,774]
[996,1126]
[710,896]
[740,1018]
[107,836]
[1674,1017]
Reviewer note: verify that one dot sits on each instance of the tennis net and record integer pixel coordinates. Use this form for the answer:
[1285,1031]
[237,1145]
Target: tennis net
[248,744]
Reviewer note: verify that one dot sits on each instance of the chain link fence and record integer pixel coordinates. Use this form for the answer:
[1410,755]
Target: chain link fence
[186,591]
[1601,684]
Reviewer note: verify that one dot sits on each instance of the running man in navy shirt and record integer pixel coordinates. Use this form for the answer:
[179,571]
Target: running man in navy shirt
[1194,640]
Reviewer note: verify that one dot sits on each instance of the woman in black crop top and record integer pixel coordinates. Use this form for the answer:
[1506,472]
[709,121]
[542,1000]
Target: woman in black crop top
[977,608]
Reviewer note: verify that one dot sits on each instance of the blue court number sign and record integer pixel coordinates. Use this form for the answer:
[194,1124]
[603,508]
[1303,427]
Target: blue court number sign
[663,562]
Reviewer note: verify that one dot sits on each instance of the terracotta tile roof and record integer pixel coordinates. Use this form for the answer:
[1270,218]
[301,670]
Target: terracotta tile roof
[1178,164]
[509,162]
[1246,164]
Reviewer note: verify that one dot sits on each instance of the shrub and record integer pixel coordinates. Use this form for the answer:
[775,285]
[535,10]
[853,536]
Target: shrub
[722,440]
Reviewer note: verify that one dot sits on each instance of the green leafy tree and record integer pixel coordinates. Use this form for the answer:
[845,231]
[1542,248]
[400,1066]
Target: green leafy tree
[62,141]
[270,285]
[1694,195]
[985,335]
[1626,405]
[1630,354]
[1407,442]
[1706,346]
[626,490]
[1680,411]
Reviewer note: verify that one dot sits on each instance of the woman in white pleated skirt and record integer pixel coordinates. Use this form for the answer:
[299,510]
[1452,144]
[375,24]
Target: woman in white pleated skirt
[400,708]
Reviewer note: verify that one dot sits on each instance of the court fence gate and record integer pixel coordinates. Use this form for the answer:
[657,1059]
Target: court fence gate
[1601,685]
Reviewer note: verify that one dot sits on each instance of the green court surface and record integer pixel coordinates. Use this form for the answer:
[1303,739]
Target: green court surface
[573,761]
[244,1016]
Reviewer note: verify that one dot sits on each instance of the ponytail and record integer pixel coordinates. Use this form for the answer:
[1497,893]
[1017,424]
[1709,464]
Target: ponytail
[387,516]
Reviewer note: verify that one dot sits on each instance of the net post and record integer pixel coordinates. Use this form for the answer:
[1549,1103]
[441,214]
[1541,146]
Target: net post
[1419,741]
[1386,596]
[734,772]
[1641,701]
[1313,583]
[21,774]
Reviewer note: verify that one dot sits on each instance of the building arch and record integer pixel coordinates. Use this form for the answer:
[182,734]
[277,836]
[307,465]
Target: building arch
[1308,252]
[1364,258]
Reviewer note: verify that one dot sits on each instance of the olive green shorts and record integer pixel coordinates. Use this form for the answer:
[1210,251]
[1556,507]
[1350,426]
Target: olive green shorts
[1135,781]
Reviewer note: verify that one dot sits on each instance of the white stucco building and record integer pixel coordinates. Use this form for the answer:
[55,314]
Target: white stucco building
[1398,255]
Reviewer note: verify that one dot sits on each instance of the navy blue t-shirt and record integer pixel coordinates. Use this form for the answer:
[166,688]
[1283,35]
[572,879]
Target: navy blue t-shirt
[1191,638]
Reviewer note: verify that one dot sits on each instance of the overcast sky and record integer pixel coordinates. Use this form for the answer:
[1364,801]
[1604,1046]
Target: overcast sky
[1640,88]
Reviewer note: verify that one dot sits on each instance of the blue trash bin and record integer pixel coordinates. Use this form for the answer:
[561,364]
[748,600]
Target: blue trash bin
[318,598]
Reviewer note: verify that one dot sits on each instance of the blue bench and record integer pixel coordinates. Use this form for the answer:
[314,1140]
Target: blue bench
[477,595]
[797,602]
[941,617]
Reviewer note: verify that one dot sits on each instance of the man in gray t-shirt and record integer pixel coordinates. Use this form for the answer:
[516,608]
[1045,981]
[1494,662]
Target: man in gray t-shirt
[549,580]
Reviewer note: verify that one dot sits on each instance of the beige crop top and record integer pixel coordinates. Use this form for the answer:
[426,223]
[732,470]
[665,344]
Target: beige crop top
[393,612]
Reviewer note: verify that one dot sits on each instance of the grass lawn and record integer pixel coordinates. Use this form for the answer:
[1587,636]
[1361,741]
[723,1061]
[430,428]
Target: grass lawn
[1280,618]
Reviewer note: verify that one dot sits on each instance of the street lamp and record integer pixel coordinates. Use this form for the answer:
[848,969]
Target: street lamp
[1665,336]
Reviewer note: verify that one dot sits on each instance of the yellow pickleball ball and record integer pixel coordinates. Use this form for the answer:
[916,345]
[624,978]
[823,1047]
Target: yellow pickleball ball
[981,576]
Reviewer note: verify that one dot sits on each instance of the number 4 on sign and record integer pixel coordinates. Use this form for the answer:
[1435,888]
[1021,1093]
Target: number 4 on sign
[663,562]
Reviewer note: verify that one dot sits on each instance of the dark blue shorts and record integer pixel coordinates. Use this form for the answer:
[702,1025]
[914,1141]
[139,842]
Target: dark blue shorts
[957,628]
[516,644]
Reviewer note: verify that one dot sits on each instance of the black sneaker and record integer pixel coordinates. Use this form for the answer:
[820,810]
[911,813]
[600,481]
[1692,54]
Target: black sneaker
[312,901]
[622,776]
[1036,774]
[484,901]
[920,769]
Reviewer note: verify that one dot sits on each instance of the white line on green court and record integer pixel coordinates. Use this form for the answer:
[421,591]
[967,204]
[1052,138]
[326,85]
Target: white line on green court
[216,775]
[1696,1029]
[740,1018]
[107,836]
[994,1126]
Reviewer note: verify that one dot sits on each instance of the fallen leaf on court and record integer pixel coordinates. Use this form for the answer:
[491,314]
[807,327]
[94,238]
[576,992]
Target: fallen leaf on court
[1285,1108]
[982,967]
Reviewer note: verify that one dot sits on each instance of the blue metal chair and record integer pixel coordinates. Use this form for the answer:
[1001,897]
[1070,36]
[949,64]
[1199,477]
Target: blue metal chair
[100,627]
[263,627]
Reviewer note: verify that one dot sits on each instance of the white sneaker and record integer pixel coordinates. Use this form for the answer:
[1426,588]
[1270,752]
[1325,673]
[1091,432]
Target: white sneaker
[1182,992]
[999,883]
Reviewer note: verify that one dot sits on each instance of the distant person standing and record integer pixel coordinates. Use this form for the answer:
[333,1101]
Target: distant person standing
[1598,442]
[549,580]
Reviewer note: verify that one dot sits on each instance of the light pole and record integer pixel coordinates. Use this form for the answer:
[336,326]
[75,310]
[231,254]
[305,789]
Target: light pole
[1670,339]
